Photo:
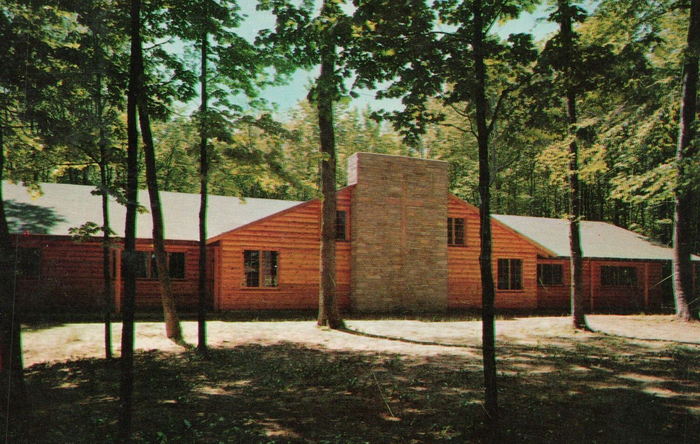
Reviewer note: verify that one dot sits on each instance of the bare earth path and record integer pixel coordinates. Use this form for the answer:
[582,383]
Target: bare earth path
[72,341]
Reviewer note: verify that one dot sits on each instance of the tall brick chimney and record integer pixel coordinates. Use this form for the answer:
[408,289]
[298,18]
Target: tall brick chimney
[399,233]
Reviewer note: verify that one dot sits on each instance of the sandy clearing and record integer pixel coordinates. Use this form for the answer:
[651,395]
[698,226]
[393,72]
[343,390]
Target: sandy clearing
[74,341]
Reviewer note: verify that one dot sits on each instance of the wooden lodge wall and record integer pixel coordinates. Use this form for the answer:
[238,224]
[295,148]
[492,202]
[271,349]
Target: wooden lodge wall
[70,272]
[464,278]
[148,293]
[293,233]
[647,293]
[70,276]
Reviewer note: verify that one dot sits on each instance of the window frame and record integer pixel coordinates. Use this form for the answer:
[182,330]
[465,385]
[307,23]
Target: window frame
[547,282]
[28,263]
[456,232]
[343,224]
[184,265]
[506,267]
[147,270]
[263,269]
[618,276]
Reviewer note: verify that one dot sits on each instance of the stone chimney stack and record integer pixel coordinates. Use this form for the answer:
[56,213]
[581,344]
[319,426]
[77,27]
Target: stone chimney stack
[399,233]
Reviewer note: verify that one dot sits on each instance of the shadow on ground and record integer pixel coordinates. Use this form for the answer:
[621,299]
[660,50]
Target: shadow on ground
[606,390]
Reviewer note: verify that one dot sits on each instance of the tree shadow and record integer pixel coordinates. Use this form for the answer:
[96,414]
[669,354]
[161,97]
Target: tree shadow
[603,390]
[34,219]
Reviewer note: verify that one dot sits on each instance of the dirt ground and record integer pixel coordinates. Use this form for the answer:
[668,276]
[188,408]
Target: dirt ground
[410,337]
[634,379]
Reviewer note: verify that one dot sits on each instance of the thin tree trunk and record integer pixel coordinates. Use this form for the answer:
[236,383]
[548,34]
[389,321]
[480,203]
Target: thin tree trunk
[576,262]
[172,324]
[203,195]
[11,363]
[683,199]
[126,388]
[488,292]
[106,250]
[328,314]
[106,229]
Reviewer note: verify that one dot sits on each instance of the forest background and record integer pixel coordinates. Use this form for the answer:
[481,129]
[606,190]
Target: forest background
[64,75]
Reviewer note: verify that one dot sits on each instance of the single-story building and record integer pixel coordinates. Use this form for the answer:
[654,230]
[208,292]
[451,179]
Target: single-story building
[404,243]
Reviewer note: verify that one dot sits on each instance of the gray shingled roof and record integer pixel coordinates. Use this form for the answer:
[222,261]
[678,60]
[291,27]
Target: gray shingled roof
[62,206]
[598,239]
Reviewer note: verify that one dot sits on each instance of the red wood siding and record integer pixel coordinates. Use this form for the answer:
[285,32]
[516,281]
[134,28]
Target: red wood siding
[185,290]
[293,233]
[464,276]
[557,296]
[646,294]
[70,278]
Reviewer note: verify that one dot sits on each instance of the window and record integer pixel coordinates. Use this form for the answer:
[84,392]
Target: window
[28,262]
[146,267]
[340,223]
[176,265]
[455,231]
[618,276]
[510,274]
[549,274]
[260,268]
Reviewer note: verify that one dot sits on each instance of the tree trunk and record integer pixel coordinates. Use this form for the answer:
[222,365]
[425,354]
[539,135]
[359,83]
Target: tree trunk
[328,314]
[126,388]
[683,199]
[106,250]
[576,262]
[11,365]
[172,323]
[106,236]
[488,293]
[203,195]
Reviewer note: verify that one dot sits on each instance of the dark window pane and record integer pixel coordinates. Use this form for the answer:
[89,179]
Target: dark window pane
[176,265]
[141,264]
[503,272]
[549,274]
[251,267]
[270,268]
[618,276]
[28,262]
[340,233]
[140,258]
[459,231]
[516,274]
[455,231]
[154,267]
[510,274]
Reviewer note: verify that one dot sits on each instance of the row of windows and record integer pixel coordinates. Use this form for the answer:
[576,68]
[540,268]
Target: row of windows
[261,267]
[28,264]
[610,276]
[146,265]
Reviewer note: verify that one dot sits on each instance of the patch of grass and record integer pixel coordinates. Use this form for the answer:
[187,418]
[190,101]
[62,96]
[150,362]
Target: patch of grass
[603,390]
